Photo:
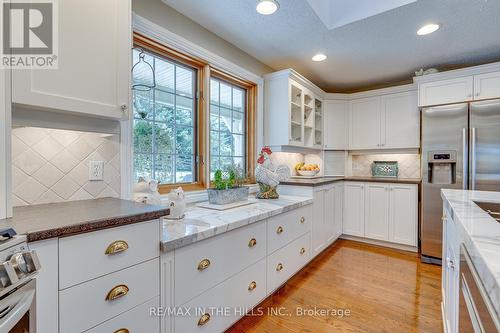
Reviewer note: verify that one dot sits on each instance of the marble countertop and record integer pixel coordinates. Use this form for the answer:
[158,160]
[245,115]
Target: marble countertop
[203,223]
[481,235]
[46,221]
[327,180]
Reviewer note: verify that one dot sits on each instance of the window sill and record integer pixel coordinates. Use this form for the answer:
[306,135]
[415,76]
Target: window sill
[201,195]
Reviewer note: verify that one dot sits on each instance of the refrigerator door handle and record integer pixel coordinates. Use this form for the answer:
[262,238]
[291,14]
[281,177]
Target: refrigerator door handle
[473,159]
[465,159]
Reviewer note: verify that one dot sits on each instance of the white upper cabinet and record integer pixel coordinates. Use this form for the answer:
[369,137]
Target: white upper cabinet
[336,121]
[94,58]
[487,85]
[400,121]
[446,91]
[293,111]
[364,123]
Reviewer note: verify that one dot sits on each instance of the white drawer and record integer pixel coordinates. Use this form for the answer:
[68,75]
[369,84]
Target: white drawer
[285,262]
[284,228]
[227,254]
[84,306]
[136,320]
[83,257]
[233,296]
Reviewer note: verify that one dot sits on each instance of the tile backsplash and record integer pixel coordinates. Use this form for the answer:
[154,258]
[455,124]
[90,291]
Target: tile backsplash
[409,164]
[50,165]
[291,159]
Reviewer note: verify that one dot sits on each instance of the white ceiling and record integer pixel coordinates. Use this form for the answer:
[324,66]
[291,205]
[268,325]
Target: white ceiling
[379,50]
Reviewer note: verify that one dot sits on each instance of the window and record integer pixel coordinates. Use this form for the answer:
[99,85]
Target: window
[227,126]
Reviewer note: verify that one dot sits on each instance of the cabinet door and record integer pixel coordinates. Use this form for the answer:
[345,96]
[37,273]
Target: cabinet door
[336,124]
[329,218]
[364,123]
[318,230]
[403,214]
[400,121]
[339,200]
[377,211]
[487,86]
[4,142]
[354,214]
[93,76]
[446,91]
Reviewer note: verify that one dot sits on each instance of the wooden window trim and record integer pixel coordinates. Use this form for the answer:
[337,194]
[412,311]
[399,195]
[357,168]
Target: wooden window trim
[250,117]
[166,52]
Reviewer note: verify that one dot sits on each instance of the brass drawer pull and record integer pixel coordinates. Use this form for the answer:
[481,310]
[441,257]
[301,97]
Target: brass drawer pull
[279,267]
[204,319]
[302,219]
[117,292]
[203,264]
[252,285]
[279,230]
[252,242]
[117,247]
[302,251]
[122,330]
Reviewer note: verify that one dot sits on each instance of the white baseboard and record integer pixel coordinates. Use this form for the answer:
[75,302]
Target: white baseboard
[381,243]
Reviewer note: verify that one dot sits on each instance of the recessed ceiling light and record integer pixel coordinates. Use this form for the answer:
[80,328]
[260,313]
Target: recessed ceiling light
[319,57]
[267,7]
[428,29]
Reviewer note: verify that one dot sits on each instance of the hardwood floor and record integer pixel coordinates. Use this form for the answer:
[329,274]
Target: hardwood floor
[385,291]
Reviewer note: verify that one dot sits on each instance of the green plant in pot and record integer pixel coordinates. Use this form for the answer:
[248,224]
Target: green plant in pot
[228,187]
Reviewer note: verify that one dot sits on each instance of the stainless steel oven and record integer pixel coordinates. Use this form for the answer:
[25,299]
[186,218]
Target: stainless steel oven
[476,313]
[18,267]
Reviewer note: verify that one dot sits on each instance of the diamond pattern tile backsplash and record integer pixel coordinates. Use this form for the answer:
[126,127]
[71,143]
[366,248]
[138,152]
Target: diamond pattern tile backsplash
[50,165]
[409,164]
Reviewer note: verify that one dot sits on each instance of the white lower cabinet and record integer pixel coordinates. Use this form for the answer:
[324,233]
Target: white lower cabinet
[218,308]
[377,211]
[318,226]
[327,216]
[339,210]
[403,214]
[450,275]
[354,215]
[284,228]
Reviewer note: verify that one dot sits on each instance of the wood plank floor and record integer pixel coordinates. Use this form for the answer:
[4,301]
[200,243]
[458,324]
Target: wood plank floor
[385,291]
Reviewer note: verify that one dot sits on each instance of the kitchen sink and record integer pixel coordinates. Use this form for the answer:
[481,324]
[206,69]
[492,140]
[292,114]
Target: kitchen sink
[492,208]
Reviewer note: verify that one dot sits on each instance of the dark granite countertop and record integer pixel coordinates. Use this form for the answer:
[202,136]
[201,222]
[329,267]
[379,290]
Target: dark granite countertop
[327,180]
[46,221]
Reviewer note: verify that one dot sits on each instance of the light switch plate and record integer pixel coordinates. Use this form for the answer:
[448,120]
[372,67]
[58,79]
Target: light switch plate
[96,170]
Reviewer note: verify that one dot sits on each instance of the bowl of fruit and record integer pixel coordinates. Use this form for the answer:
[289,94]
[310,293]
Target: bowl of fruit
[307,170]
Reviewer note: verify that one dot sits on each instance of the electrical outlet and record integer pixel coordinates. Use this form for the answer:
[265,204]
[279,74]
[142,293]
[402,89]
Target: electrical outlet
[96,170]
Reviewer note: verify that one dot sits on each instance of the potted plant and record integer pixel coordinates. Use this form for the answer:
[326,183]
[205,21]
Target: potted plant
[228,187]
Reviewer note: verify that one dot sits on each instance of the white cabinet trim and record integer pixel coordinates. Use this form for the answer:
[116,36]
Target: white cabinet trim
[5,144]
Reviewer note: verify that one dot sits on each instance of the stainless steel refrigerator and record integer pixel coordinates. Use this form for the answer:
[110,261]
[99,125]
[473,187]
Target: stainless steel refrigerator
[460,150]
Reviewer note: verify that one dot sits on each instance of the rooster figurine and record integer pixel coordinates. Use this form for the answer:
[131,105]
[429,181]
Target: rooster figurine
[268,175]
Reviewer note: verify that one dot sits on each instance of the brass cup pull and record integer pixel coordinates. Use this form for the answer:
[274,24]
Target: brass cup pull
[204,319]
[302,219]
[279,230]
[252,242]
[252,285]
[302,251]
[279,267]
[203,264]
[117,247]
[122,330]
[117,292]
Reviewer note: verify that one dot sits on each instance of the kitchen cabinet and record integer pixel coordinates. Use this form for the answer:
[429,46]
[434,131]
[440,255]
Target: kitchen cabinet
[487,85]
[403,214]
[339,210]
[318,226]
[364,123]
[293,111]
[5,128]
[354,214]
[400,121]
[446,91]
[93,74]
[327,216]
[336,126]
[450,274]
[377,211]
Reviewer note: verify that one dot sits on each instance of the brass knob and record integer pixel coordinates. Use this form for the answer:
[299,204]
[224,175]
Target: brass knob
[279,267]
[203,264]
[252,285]
[302,251]
[252,242]
[122,330]
[116,247]
[204,319]
[117,292]
[443,218]
[279,230]
[302,219]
